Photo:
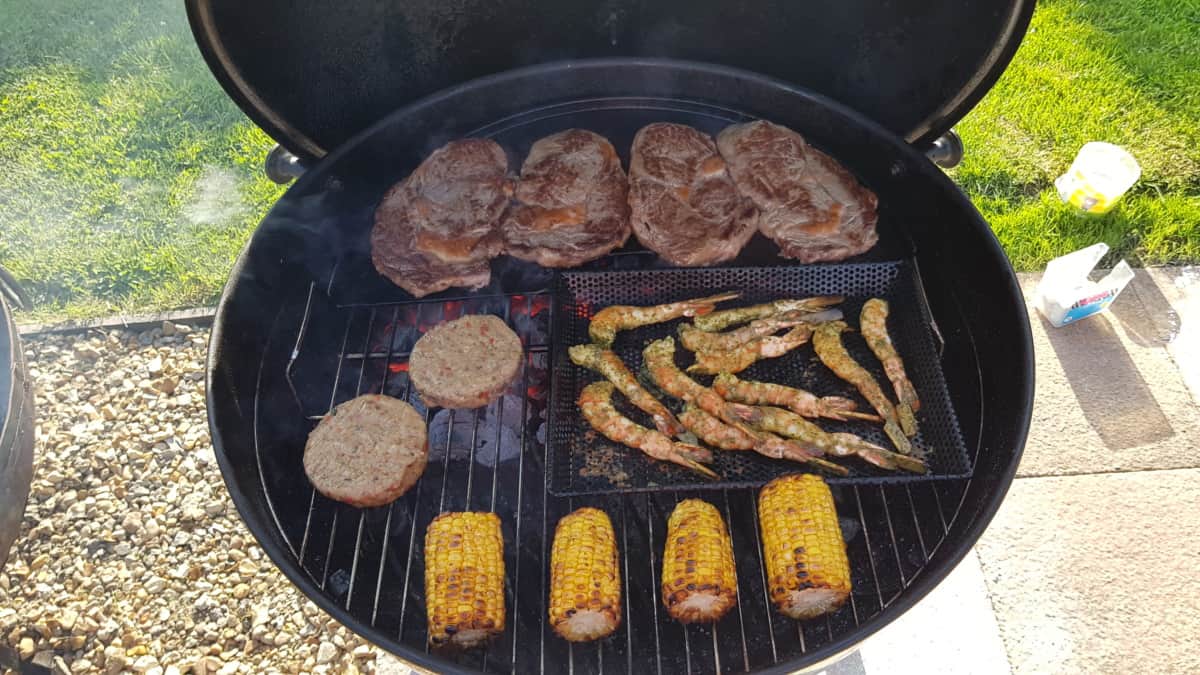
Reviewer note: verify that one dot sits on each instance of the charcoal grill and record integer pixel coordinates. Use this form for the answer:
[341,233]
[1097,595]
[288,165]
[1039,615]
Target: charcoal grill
[305,321]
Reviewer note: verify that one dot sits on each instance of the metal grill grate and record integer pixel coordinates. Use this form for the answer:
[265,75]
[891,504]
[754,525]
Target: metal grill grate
[582,463]
[371,561]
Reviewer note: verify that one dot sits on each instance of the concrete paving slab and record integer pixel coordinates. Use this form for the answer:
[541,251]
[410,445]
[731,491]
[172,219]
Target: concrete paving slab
[1098,574]
[1109,395]
[1179,323]
[953,630]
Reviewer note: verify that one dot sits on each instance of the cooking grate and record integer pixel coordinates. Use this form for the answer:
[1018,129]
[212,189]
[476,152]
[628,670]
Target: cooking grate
[582,462]
[370,562]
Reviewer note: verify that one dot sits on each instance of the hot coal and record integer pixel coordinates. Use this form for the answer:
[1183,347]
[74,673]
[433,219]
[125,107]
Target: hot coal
[495,431]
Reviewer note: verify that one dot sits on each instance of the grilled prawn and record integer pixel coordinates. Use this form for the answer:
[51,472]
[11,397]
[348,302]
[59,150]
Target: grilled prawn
[799,401]
[695,340]
[827,342]
[607,363]
[720,435]
[742,357]
[659,358]
[873,324]
[725,318]
[790,425]
[608,321]
[595,402]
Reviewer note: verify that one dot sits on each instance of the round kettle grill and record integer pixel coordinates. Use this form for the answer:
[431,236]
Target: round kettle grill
[306,322]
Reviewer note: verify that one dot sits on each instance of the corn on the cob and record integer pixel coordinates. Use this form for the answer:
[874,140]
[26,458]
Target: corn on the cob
[807,570]
[464,578]
[585,584]
[699,582]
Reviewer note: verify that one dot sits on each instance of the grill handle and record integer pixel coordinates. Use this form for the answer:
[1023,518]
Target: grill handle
[947,150]
[281,166]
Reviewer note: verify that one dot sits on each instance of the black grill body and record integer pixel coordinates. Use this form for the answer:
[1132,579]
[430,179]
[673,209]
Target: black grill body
[306,322]
[16,432]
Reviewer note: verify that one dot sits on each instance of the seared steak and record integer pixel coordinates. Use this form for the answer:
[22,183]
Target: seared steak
[395,256]
[570,202]
[456,198]
[809,205]
[683,204]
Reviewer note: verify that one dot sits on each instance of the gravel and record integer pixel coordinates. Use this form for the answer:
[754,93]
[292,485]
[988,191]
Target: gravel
[131,556]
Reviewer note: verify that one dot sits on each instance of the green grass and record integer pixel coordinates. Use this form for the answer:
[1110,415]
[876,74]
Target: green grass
[129,181]
[1122,71]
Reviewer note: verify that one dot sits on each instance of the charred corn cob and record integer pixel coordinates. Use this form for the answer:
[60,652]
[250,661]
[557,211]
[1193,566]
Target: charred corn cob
[699,582]
[807,570]
[585,586]
[464,578]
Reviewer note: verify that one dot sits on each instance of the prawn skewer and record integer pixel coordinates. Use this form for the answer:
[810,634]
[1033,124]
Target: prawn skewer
[799,401]
[873,324]
[720,435]
[725,318]
[790,425]
[595,402]
[608,321]
[827,342]
[607,363]
[659,358]
[695,340]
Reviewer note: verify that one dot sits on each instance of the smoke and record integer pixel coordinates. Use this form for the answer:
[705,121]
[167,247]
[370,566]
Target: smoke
[217,199]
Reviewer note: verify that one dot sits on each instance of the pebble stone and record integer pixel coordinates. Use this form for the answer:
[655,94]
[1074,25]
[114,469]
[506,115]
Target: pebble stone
[131,557]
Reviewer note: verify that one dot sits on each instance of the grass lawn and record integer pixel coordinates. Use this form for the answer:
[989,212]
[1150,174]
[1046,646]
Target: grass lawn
[129,181]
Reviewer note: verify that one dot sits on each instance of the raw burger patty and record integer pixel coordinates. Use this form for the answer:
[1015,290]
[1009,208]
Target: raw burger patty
[395,257]
[367,451]
[570,201]
[809,204]
[465,363]
[683,203]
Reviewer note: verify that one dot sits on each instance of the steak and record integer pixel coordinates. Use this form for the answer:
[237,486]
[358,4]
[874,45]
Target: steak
[809,204]
[684,205]
[456,198]
[570,202]
[395,256]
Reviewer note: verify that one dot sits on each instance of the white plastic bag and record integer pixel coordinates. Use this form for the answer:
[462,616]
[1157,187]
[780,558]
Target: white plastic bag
[1066,295]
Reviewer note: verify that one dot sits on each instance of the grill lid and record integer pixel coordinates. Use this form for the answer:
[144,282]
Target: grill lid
[313,74]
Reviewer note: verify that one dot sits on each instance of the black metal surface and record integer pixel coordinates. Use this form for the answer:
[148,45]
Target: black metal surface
[281,166]
[305,286]
[583,463]
[947,150]
[16,433]
[313,74]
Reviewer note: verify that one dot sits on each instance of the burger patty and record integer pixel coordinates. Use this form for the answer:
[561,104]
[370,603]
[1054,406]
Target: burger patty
[465,363]
[367,451]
